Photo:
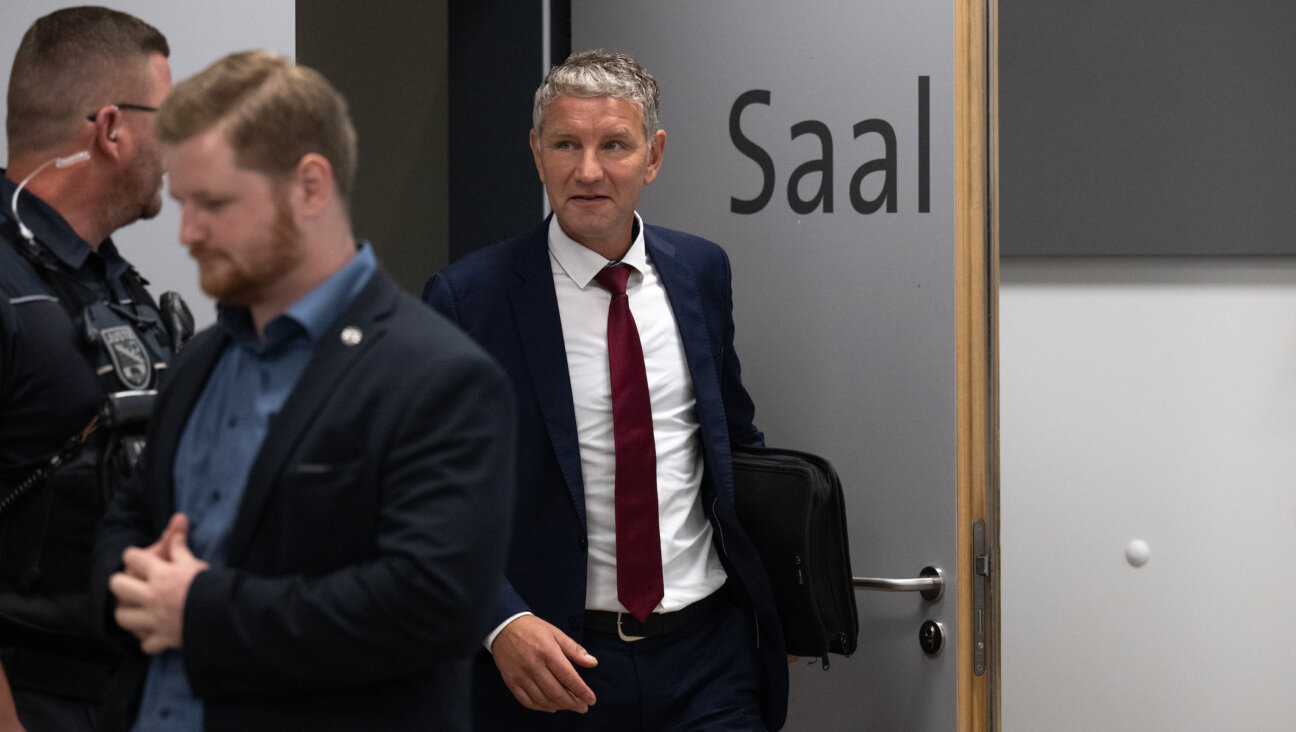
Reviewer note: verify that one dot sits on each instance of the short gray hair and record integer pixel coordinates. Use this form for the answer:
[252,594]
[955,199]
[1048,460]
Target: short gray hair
[599,73]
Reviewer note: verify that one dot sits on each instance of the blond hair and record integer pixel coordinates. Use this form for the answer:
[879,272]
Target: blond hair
[272,112]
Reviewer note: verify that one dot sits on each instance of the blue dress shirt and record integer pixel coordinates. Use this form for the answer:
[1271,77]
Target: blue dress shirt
[248,386]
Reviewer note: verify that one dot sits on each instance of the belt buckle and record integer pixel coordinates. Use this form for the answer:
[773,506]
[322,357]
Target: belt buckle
[621,634]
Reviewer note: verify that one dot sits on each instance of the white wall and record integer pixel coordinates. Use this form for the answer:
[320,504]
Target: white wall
[199,32]
[1155,400]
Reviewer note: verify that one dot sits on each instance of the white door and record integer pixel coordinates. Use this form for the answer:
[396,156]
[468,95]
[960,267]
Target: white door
[820,142]
[1149,400]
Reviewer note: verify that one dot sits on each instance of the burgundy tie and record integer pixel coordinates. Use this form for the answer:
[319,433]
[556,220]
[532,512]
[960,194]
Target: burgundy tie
[638,546]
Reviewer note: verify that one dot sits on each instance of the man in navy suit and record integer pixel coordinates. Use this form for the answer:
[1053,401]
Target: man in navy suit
[324,492]
[565,638]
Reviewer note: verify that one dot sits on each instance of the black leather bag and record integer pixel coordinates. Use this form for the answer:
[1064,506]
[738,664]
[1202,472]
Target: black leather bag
[791,505]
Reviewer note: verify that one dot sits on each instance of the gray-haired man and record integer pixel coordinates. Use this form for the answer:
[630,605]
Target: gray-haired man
[612,615]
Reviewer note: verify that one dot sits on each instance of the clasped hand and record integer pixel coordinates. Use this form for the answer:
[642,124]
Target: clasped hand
[152,587]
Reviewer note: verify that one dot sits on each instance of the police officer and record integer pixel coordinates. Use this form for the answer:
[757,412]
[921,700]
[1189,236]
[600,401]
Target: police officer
[82,344]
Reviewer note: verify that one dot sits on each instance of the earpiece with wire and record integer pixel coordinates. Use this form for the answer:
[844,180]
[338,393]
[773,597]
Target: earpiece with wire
[74,158]
[63,162]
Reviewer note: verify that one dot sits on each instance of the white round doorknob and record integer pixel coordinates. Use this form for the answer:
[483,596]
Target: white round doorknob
[1137,553]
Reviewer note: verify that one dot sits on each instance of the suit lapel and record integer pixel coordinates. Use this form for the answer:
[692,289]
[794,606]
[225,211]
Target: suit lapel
[685,301]
[539,327]
[681,283]
[331,363]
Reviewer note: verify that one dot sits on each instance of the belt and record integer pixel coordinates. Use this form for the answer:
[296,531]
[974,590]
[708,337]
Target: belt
[628,627]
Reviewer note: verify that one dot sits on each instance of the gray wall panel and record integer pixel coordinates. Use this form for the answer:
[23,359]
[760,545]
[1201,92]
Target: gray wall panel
[1139,128]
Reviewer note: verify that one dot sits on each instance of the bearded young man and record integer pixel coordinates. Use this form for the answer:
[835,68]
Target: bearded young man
[305,545]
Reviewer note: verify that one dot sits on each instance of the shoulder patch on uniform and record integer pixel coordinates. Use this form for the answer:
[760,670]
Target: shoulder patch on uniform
[128,356]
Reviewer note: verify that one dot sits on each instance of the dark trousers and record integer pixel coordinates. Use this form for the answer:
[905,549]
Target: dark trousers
[58,682]
[701,678]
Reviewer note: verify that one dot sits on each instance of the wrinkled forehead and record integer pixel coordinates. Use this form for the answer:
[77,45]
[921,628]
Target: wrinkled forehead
[567,108]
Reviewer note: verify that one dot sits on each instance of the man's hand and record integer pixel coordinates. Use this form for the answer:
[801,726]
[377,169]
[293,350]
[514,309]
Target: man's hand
[178,526]
[535,659]
[151,591]
[8,711]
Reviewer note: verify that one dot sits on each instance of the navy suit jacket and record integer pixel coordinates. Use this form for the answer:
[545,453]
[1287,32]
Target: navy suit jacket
[374,515]
[504,297]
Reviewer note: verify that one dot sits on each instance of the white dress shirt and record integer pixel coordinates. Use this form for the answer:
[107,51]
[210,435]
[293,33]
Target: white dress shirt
[691,567]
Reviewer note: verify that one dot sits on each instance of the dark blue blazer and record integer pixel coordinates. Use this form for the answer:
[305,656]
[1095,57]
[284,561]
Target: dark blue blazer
[373,517]
[504,297]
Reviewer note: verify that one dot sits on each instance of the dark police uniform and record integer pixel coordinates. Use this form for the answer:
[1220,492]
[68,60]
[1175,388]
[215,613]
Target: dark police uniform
[67,340]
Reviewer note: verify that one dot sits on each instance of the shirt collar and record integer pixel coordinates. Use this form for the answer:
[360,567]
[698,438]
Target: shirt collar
[313,314]
[581,263]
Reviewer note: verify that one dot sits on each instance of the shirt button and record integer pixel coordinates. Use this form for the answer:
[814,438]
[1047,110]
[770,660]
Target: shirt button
[584,543]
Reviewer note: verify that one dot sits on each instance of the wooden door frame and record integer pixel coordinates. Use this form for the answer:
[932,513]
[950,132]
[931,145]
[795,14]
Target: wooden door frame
[976,288]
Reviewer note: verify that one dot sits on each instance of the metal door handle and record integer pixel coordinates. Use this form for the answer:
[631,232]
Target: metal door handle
[931,584]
